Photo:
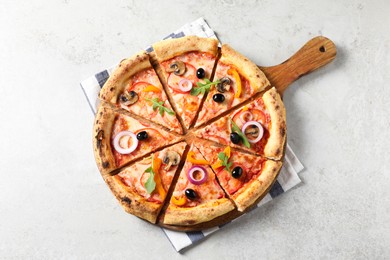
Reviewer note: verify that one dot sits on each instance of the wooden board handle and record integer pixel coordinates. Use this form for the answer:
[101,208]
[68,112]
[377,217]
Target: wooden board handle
[316,53]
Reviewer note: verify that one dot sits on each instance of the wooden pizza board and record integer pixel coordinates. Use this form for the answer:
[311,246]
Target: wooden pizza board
[316,53]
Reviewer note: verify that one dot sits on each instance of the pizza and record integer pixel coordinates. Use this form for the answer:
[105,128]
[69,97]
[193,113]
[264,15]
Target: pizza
[244,177]
[238,79]
[120,139]
[185,62]
[197,196]
[258,127]
[134,186]
[174,154]
[135,86]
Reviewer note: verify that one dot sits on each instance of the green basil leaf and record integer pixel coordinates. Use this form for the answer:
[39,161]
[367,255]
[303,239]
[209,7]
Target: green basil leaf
[150,184]
[221,156]
[236,129]
[160,105]
[170,112]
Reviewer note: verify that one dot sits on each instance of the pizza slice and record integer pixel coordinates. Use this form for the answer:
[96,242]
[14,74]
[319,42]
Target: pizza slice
[259,127]
[120,139]
[134,86]
[186,66]
[142,188]
[236,80]
[197,197]
[245,178]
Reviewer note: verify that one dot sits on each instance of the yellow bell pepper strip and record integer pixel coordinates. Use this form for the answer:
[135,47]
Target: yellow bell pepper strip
[219,163]
[232,72]
[178,202]
[156,167]
[245,108]
[151,88]
[191,157]
[227,151]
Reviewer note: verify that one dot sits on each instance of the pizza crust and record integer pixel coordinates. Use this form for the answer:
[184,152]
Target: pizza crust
[245,67]
[104,121]
[171,48]
[253,190]
[275,144]
[119,80]
[132,202]
[204,212]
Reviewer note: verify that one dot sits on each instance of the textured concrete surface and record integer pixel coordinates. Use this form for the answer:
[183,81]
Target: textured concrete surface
[53,204]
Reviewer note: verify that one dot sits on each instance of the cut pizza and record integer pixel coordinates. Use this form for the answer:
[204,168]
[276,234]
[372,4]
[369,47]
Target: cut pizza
[197,197]
[259,127]
[142,187]
[244,177]
[186,66]
[120,139]
[135,86]
[237,138]
[236,80]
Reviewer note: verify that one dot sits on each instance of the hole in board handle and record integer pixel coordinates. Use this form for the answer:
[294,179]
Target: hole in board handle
[322,49]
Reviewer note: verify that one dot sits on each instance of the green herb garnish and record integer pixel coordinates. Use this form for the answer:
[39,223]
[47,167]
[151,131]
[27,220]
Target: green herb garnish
[225,161]
[203,87]
[159,105]
[236,129]
[150,184]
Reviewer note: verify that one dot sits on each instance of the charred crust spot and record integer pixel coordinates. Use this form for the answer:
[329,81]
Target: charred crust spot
[245,59]
[282,131]
[257,75]
[111,89]
[191,222]
[126,200]
[277,107]
[101,113]
[99,138]
[277,152]
[105,164]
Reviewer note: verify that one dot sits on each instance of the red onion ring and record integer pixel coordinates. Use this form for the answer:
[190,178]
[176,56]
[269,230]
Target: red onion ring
[190,175]
[133,145]
[257,124]
[185,85]
[242,117]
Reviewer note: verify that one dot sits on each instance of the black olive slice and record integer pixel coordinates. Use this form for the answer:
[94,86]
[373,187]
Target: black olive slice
[219,98]
[190,194]
[237,172]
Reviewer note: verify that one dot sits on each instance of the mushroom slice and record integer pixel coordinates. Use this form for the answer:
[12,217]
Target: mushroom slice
[252,131]
[177,67]
[171,158]
[223,85]
[128,98]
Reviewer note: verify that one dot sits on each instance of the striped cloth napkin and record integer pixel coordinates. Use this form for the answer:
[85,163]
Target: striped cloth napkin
[287,179]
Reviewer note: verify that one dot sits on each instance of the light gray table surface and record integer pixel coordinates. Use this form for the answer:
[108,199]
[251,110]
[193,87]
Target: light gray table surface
[54,204]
